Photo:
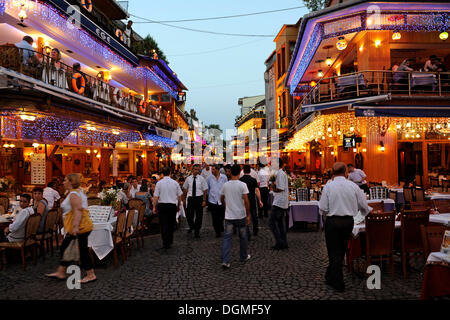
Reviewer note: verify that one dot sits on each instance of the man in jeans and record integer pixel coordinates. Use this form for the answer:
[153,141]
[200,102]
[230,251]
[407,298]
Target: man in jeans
[215,183]
[237,215]
[280,205]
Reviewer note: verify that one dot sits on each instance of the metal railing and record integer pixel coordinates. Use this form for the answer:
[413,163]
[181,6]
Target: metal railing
[47,69]
[379,82]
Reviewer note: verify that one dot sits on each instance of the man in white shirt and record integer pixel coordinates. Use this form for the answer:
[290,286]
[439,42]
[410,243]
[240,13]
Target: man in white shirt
[359,177]
[340,201]
[215,183]
[167,200]
[51,195]
[237,215]
[195,189]
[29,55]
[135,187]
[264,176]
[16,230]
[280,205]
[206,172]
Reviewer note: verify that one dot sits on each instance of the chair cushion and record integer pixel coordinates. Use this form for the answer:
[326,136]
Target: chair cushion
[11,245]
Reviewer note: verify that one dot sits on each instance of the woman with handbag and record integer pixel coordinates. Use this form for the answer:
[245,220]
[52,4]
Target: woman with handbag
[77,226]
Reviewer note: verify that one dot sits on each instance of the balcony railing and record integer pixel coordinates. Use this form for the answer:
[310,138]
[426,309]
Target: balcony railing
[58,74]
[376,82]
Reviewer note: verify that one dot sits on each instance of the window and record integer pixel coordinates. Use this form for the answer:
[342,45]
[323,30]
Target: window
[154,97]
[283,60]
[165,98]
[279,74]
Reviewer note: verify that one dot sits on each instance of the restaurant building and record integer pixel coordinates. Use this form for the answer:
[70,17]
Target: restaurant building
[111,118]
[358,102]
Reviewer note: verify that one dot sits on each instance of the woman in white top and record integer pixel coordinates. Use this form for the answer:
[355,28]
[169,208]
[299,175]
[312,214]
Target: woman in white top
[75,201]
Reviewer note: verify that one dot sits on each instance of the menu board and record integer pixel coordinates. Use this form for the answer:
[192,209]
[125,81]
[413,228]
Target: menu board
[38,169]
[100,213]
[115,163]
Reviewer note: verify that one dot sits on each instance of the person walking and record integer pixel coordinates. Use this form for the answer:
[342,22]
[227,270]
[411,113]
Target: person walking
[215,183]
[167,200]
[237,215]
[340,201]
[51,195]
[195,189]
[264,176]
[253,195]
[359,177]
[77,225]
[277,220]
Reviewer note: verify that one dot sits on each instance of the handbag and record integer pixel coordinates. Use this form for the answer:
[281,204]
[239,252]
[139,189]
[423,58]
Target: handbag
[85,222]
[72,252]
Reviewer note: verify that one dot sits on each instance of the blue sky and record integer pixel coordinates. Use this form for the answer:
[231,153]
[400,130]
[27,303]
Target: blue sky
[218,79]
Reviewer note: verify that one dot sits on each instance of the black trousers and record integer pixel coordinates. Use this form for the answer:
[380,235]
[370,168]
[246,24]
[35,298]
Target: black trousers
[265,200]
[85,258]
[337,234]
[167,213]
[254,217]
[194,214]
[218,216]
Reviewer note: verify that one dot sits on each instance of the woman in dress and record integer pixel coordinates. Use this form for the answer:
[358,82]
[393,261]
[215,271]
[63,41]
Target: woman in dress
[75,202]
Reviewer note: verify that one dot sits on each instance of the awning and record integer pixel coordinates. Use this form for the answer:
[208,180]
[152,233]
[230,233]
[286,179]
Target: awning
[342,103]
[402,111]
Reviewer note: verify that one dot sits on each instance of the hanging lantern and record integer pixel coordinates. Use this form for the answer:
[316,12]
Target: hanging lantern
[443,36]
[396,35]
[341,44]
[328,62]
[313,84]
[320,74]
[22,15]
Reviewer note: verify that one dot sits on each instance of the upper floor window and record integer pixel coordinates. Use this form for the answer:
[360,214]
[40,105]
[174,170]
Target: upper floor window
[283,60]
[165,98]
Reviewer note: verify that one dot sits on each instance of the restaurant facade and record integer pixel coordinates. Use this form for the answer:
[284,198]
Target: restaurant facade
[112,118]
[359,104]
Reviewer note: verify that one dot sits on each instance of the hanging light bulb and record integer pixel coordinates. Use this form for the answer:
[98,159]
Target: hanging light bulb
[399,126]
[88,151]
[329,129]
[352,129]
[396,35]
[341,44]
[35,145]
[443,36]
[98,156]
[328,61]
[320,74]
[22,15]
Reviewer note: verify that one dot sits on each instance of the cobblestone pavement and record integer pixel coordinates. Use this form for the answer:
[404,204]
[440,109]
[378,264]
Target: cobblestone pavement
[192,270]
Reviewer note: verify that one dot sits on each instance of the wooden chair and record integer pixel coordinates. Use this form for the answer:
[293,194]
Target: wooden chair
[432,238]
[47,236]
[443,206]
[140,207]
[380,238]
[4,202]
[411,221]
[408,194]
[378,207]
[29,241]
[94,201]
[378,192]
[2,210]
[420,194]
[421,205]
[118,238]
[128,231]
[445,185]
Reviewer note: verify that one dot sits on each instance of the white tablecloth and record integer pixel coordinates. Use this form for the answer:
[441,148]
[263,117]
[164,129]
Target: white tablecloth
[100,239]
[443,218]
[440,196]
[438,257]
[362,227]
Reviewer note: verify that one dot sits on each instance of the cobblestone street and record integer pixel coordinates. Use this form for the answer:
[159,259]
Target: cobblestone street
[192,270]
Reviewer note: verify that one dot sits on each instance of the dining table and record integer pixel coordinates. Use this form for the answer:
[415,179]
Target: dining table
[438,196]
[389,204]
[423,79]
[436,278]
[305,211]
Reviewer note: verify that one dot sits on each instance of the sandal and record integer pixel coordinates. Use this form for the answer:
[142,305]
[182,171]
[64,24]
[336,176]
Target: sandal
[85,280]
[55,276]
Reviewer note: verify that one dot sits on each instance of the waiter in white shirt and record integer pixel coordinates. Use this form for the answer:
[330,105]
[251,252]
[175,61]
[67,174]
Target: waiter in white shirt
[51,195]
[167,200]
[341,199]
[263,175]
[206,172]
[358,176]
[215,183]
[195,189]
[277,220]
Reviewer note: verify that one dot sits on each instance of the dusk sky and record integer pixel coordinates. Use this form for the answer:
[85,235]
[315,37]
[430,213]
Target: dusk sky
[216,78]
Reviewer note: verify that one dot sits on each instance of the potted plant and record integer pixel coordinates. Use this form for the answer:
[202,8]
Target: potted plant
[108,196]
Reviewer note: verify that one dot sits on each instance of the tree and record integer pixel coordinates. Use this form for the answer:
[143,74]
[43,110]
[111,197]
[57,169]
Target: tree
[147,46]
[214,126]
[315,5]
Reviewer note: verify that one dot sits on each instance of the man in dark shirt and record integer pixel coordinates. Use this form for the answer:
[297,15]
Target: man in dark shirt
[253,194]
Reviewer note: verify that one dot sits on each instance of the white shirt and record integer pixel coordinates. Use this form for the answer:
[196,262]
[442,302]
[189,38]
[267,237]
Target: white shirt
[168,190]
[341,197]
[66,206]
[206,173]
[281,199]
[214,187]
[134,190]
[201,186]
[51,195]
[356,176]
[263,175]
[28,51]
[17,228]
[234,204]
[253,174]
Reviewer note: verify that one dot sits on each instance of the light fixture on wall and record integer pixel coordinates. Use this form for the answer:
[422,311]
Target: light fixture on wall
[341,44]
[320,74]
[27,117]
[377,43]
[443,35]
[382,146]
[396,35]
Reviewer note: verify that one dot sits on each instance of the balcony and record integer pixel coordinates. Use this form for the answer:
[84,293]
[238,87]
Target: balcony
[401,84]
[97,91]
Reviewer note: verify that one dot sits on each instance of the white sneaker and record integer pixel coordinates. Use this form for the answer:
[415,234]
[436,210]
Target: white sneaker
[248,258]
[226,265]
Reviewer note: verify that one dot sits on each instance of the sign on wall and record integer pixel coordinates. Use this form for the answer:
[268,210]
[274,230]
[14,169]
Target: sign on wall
[38,169]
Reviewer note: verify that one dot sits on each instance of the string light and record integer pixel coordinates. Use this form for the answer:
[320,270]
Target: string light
[443,35]
[396,36]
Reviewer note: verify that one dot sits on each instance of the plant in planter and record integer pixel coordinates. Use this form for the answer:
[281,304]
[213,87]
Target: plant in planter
[6,184]
[298,183]
[109,197]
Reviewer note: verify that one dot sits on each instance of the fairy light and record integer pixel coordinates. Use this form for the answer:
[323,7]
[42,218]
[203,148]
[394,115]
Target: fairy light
[35,145]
